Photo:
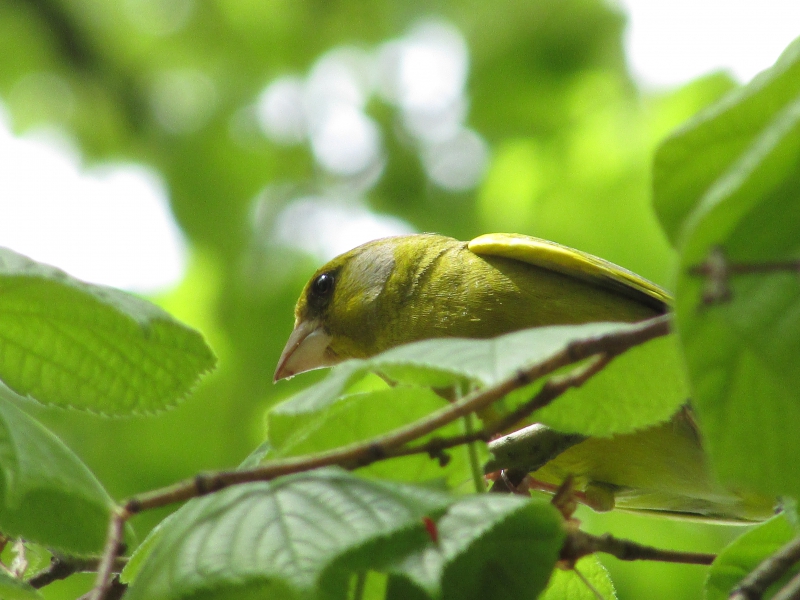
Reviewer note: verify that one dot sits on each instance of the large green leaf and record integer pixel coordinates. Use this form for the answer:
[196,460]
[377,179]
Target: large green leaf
[742,352]
[48,495]
[487,546]
[690,161]
[289,537]
[70,343]
[643,386]
[744,554]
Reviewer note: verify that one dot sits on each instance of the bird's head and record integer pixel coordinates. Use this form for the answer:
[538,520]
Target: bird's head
[340,310]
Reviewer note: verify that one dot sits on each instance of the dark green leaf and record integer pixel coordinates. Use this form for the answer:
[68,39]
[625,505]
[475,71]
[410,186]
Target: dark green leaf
[489,546]
[69,343]
[284,537]
[48,495]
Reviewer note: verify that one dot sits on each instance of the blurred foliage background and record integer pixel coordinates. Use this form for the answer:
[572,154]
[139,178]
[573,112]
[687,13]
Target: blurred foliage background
[287,131]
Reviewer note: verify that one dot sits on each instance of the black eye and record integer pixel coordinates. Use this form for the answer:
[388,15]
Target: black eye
[323,285]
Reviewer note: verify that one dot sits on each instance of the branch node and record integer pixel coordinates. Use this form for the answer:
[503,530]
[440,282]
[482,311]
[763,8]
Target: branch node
[132,506]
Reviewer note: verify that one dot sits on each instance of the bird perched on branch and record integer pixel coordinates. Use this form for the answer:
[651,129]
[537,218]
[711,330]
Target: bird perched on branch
[397,290]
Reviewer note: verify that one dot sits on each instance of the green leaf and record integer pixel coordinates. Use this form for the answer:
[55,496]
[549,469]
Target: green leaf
[285,537]
[487,362]
[742,353]
[48,495]
[568,585]
[15,589]
[489,546]
[358,417]
[643,386]
[74,344]
[689,162]
[744,554]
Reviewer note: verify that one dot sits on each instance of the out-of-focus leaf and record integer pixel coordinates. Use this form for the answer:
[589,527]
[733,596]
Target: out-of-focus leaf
[48,495]
[691,160]
[744,554]
[15,589]
[73,344]
[742,352]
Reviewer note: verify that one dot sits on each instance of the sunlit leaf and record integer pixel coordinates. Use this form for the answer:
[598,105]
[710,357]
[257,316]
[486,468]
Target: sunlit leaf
[70,343]
[690,161]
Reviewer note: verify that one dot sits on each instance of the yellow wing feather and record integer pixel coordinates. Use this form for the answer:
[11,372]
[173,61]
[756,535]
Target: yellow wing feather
[568,261]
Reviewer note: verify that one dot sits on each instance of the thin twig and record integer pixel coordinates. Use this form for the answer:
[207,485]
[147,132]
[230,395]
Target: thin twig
[768,572]
[718,270]
[579,544]
[103,582]
[791,591]
[551,390]
[62,567]
[393,444]
[472,452]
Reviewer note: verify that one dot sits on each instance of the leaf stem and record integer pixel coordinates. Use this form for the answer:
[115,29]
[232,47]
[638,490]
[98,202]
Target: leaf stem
[718,270]
[61,567]
[474,460]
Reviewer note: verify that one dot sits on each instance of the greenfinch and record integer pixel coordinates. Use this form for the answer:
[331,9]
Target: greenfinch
[397,290]
[408,288]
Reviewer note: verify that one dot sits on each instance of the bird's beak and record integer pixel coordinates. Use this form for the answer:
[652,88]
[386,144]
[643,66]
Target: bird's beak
[305,350]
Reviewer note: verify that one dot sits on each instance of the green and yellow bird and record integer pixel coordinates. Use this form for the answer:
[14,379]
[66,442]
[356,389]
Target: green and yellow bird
[397,290]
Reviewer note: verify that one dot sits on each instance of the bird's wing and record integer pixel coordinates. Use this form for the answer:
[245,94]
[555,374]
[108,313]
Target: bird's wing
[574,263]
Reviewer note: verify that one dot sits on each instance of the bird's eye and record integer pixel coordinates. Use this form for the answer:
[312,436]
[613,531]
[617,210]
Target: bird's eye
[323,285]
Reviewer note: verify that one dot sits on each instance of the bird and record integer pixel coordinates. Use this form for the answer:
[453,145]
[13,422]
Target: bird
[402,289]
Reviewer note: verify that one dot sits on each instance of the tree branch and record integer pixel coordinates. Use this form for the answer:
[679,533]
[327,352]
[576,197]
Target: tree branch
[718,270]
[394,443]
[768,572]
[579,544]
[62,567]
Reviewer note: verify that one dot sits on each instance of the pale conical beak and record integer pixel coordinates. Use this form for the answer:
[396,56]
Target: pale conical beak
[305,350]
